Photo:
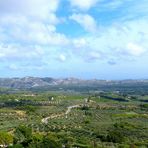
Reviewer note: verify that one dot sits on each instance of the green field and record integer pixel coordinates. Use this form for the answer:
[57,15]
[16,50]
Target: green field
[56,119]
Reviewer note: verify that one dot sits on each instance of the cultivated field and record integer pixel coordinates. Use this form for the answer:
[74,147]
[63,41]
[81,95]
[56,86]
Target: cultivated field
[67,120]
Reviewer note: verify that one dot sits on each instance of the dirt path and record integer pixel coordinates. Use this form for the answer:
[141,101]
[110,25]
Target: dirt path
[45,120]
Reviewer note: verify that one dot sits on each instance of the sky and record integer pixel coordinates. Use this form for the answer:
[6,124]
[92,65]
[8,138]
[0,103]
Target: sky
[102,39]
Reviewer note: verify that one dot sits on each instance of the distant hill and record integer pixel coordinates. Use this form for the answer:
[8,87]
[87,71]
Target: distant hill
[47,82]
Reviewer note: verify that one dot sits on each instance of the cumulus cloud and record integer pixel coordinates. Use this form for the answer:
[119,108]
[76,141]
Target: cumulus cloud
[134,49]
[79,43]
[33,36]
[38,9]
[83,4]
[119,42]
[86,21]
[30,22]
[17,52]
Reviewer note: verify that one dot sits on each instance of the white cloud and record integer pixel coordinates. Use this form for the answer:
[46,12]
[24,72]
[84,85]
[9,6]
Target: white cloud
[134,49]
[13,67]
[16,52]
[86,21]
[83,4]
[111,5]
[93,55]
[29,33]
[62,58]
[79,43]
[120,42]
[24,30]
[17,67]
[38,9]
[30,22]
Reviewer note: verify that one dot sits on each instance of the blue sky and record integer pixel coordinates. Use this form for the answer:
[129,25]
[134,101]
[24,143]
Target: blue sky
[103,39]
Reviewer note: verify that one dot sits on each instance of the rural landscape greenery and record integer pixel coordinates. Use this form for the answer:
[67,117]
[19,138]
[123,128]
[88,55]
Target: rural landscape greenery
[73,73]
[73,114]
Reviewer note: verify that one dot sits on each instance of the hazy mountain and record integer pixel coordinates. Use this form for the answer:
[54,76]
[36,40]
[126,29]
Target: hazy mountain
[32,82]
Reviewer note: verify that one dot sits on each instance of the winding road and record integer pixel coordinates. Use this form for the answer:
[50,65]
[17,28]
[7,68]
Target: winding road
[45,120]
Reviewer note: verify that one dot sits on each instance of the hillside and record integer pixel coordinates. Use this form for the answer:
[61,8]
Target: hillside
[74,84]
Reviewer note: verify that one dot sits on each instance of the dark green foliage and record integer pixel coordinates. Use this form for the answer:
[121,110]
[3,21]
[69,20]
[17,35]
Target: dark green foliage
[23,134]
[30,108]
[50,142]
[144,106]
[85,107]
[80,145]
[24,138]
[115,137]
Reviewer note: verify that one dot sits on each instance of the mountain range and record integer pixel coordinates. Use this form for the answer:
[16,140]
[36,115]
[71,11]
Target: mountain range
[34,82]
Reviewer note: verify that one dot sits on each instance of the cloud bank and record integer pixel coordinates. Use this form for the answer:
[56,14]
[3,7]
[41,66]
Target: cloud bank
[37,34]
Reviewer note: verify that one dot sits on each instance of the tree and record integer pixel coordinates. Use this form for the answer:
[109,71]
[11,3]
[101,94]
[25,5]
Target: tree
[23,134]
[37,139]
[51,141]
[5,138]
